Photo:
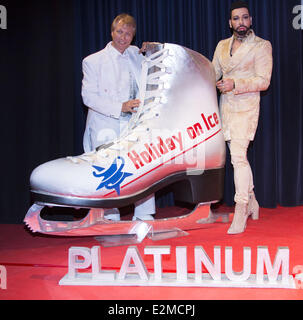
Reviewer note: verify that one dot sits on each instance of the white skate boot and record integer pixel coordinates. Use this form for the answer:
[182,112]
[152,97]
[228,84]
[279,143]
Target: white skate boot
[175,138]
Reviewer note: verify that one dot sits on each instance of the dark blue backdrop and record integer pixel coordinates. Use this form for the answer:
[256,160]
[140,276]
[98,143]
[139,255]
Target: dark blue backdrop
[44,118]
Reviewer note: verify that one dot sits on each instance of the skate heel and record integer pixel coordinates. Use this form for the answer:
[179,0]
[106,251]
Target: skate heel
[197,187]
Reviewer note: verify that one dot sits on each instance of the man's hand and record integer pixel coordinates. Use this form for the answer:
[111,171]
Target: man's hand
[226,85]
[144,47]
[129,106]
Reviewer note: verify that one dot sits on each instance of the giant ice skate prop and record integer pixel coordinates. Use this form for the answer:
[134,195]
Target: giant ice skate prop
[175,138]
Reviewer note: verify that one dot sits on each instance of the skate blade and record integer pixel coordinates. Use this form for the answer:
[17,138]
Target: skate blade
[94,224]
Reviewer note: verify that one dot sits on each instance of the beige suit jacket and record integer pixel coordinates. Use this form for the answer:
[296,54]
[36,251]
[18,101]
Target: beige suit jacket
[251,68]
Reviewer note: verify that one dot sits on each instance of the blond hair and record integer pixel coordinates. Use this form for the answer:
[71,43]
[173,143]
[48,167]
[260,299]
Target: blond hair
[126,19]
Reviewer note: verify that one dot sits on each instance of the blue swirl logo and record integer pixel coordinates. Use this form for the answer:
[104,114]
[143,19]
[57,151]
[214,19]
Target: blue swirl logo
[113,177]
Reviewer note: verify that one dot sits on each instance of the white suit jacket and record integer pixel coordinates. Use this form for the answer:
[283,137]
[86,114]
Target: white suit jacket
[103,92]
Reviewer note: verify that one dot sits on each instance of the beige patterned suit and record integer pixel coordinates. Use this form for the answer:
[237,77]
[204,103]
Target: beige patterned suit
[251,69]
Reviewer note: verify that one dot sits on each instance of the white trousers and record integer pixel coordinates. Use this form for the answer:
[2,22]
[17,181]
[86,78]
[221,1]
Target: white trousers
[243,177]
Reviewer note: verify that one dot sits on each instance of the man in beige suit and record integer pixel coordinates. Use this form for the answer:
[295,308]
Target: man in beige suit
[243,65]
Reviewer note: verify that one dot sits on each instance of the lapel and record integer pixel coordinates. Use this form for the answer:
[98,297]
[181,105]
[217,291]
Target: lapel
[111,56]
[135,64]
[228,62]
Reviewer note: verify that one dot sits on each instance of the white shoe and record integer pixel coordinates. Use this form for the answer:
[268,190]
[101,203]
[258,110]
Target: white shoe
[112,216]
[144,218]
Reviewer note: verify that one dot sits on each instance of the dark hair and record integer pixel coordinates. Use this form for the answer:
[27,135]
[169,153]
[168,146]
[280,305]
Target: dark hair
[238,5]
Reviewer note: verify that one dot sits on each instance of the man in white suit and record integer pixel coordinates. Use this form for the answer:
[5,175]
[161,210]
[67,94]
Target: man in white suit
[109,90]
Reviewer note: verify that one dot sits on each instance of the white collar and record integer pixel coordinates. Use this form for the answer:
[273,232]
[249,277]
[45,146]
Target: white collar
[115,52]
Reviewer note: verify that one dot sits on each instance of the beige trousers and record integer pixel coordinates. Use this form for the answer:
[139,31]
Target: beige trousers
[243,177]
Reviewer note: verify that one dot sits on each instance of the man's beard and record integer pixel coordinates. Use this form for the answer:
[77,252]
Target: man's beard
[241,33]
